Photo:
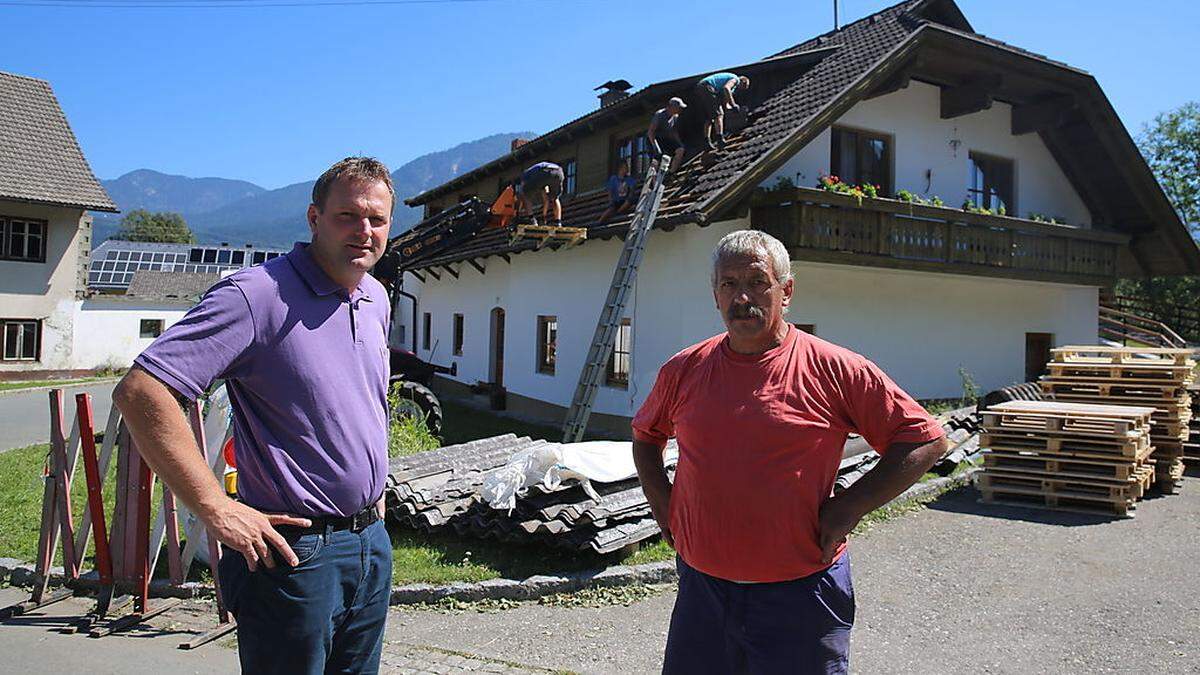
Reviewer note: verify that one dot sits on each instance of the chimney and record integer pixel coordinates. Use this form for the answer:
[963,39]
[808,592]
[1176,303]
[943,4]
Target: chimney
[517,142]
[614,90]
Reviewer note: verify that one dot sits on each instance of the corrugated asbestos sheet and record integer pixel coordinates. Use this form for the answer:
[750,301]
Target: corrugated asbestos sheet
[441,488]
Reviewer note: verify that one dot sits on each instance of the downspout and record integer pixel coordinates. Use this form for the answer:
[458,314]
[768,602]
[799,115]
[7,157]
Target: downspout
[403,293]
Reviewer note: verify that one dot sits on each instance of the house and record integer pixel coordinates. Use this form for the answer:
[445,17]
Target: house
[112,329]
[1046,202]
[46,190]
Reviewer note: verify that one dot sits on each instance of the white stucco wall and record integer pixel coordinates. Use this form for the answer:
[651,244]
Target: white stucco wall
[920,327]
[921,143]
[44,291]
[107,331]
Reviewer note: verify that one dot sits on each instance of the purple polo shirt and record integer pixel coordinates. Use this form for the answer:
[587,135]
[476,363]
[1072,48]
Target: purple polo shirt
[306,366]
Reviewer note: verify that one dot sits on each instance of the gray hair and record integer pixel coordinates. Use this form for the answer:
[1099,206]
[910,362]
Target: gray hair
[753,243]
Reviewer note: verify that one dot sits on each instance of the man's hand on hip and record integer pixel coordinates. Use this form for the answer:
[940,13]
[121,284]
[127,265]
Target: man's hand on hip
[252,533]
[838,519]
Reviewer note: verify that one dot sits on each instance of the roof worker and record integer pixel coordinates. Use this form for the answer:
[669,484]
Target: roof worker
[715,93]
[761,414]
[544,179]
[301,342]
[663,133]
[621,194]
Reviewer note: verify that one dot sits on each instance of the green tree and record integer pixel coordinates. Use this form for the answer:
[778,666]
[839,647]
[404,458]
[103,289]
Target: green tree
[1171,146]
[161,227]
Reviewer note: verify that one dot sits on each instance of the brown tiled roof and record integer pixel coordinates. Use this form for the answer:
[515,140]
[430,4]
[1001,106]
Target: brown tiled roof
[181,287]
[40,160]
[848,63]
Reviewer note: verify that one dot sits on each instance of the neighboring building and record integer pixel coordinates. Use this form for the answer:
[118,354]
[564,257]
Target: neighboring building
[910,98]
[46,190]
[114,262]
[111,329]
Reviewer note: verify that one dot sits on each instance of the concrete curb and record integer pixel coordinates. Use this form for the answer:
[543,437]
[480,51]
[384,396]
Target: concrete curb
[73,385]
[20,573]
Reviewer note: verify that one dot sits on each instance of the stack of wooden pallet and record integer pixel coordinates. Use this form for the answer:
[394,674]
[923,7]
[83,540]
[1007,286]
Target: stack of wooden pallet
[1132,376]
[1066,456]
[1191,449]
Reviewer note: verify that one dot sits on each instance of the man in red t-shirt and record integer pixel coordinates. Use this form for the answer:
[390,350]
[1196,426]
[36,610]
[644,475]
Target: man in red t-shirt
[761,414]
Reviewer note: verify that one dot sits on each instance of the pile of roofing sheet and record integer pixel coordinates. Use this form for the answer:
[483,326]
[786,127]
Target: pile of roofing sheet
[443,487]
[1066,456]
[1133,376]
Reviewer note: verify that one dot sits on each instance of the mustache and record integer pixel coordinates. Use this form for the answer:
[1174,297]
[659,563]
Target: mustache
[746,311]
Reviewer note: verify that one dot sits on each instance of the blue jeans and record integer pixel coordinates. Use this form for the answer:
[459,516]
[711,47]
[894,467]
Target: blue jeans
[798,626]
[325,615]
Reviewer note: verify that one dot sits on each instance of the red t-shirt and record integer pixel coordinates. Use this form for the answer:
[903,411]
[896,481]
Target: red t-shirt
[760,439]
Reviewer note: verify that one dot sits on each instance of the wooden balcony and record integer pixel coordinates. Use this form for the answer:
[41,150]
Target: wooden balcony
[822,226]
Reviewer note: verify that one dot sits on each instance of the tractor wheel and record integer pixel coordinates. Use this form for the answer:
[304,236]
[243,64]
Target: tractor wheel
[412,399]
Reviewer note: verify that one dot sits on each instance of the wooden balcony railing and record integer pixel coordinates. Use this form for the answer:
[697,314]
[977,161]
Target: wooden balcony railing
[827,227]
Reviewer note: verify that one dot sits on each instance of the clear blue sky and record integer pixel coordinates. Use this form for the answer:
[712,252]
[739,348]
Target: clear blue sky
[274,95]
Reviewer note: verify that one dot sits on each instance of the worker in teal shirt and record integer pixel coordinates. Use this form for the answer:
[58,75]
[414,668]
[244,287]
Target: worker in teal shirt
[715,94]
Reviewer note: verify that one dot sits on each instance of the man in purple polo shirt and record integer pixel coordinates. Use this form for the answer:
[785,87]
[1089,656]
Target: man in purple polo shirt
[301,342]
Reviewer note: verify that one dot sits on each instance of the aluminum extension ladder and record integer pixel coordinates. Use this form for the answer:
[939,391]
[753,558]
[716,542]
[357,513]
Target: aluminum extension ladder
[614,305]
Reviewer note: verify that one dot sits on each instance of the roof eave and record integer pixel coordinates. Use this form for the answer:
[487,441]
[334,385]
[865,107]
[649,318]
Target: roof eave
[106,208]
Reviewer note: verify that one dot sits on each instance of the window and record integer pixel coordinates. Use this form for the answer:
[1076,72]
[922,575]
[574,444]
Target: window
[239,258]
[22,340]
[617,374]
[259,257]
[196,255]
[636,151]
[458,334]
[809,328]
[150,328]
[210,256]
[427,320]
[861,157]
[547,343]
[570,173]
[224,256]
[991,183]
[23,240]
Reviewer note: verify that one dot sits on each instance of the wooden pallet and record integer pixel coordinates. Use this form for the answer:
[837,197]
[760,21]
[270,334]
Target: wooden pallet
[1129,451]
[546,234]
[1144,391]
[1059,425]
[1178,374]
[1063,466]
[1077,353]
[1066,487]
[1057,503]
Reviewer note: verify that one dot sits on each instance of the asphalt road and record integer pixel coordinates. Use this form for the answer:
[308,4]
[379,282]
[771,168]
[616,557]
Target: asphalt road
[25,415]
[956,588]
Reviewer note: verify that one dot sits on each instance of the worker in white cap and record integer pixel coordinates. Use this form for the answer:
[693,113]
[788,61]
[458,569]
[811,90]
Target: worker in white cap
[663,133]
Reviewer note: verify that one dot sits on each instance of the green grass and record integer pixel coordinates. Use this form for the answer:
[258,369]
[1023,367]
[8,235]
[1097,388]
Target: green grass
[34,384]
[462,423]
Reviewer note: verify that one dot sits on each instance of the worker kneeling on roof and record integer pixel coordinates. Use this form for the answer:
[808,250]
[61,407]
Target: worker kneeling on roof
[715,94]
[761,414]
[544,179]
[301,342]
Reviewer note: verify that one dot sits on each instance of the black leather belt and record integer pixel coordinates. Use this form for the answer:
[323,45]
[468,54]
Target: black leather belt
[354,523]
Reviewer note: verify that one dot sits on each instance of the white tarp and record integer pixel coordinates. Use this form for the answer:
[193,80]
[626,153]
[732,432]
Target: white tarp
[553,463]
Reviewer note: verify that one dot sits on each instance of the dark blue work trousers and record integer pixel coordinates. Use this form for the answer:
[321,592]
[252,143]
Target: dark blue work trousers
[325,615]
[798,626]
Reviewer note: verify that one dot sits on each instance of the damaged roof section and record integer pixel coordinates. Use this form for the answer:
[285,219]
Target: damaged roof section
[927,40]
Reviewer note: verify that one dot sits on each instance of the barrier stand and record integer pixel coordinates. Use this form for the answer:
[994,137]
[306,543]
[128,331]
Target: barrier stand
[56,515]
[94,470]
[224,624]
[134,539]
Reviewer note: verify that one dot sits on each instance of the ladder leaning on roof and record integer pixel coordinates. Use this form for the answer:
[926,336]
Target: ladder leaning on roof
[614,305]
